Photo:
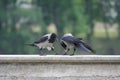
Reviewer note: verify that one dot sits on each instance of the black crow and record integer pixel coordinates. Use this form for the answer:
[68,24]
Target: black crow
[45,42]
[68,41]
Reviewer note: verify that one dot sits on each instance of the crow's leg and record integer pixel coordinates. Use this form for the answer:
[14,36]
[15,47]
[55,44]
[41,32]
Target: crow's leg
[66,51]
[41,52]
[54,50]
[73,51]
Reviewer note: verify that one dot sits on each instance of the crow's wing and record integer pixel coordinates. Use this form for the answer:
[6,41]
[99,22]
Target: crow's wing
[88,47]
[68,39]
[42,39]
[78,40]
[72,39]
[84,46]
[63,44]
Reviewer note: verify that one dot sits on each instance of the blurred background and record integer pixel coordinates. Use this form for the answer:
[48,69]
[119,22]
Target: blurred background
[24,21]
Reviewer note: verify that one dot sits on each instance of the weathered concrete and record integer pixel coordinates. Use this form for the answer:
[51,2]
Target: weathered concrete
[79,67]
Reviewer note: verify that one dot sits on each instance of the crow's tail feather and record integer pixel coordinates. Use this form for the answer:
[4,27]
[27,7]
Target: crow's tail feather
[30,44]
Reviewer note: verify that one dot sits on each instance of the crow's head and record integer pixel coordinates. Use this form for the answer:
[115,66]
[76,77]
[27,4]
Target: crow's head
[52,37]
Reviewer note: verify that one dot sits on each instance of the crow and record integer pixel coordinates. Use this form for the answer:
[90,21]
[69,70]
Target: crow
[68,41]
[45,42]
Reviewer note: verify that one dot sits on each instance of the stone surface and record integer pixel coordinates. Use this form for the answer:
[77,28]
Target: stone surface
[50,67]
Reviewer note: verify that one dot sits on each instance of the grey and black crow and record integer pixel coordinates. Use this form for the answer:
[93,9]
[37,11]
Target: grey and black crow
[45,42]
[68,41]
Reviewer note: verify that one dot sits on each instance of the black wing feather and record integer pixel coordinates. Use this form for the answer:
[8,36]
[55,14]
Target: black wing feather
[72,39]
[80,41]
[69,39]
[42,39]
[63,44]
[88,47]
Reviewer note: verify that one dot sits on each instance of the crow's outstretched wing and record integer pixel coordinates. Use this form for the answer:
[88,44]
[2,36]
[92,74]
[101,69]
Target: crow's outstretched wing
[42,39]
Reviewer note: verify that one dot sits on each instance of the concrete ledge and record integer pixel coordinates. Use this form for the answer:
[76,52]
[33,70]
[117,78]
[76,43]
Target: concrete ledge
[58,67]
[60,58]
